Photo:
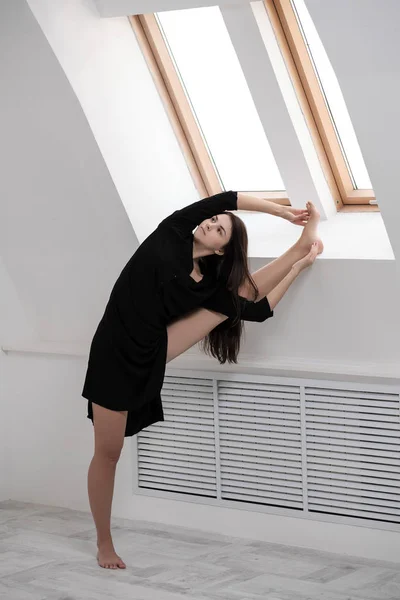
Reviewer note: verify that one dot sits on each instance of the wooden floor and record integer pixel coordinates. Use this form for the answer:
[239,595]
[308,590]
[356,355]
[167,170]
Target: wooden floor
[48,553]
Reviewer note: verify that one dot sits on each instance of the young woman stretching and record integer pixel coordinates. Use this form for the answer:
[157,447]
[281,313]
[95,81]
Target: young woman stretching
[177,289]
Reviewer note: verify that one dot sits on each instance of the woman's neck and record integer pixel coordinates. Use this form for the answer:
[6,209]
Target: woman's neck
[200,251]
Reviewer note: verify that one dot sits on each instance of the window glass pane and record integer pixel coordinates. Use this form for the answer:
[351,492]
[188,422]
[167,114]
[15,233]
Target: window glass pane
[333,98]
[208,67]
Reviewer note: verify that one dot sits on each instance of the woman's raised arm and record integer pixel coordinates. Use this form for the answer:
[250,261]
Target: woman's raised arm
[297,216]
[188,217]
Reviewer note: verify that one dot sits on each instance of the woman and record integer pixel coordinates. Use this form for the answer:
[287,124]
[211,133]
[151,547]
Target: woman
[178,288]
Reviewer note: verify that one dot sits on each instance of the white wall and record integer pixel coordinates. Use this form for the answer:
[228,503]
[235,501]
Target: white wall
[5,461]
[60,236]
[15,323]
[66,150]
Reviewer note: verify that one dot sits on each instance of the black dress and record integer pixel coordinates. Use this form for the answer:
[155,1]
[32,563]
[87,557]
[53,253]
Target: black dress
[128,352]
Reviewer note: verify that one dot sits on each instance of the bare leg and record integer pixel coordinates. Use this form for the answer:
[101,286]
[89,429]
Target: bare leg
[189,330]
[109,430]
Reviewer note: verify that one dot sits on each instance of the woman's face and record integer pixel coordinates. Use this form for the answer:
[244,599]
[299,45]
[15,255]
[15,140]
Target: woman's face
[214,233]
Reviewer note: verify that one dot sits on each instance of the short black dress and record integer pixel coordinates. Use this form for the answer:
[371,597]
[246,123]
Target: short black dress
[127,357]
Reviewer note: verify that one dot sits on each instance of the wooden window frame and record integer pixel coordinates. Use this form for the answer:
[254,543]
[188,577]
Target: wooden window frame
[308,92]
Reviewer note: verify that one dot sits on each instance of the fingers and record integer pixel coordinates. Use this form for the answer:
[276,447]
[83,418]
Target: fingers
[300,213]
[299,217]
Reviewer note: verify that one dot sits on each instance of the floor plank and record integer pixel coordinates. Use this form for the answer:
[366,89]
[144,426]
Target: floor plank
[49,553]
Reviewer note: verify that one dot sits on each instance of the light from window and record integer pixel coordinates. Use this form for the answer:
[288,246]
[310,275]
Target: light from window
[333,98]
[211,75]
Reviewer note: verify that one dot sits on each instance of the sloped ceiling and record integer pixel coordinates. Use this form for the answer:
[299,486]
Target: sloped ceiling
[60,209]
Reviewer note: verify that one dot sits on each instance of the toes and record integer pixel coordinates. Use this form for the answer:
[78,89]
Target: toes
[111,566]
[117,565]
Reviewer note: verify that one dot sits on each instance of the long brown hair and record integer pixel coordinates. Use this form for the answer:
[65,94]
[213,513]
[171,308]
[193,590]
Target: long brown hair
[232,270]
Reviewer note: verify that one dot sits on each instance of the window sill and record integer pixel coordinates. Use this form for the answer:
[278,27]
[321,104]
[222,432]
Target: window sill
[360,236]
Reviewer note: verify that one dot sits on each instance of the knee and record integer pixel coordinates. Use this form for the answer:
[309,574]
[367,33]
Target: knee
[109,428]
[108,453]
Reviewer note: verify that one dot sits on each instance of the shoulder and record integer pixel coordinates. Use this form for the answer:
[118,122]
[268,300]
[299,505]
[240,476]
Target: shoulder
[167,230]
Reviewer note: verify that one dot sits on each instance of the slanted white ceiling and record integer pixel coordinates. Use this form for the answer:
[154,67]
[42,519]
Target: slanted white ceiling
[60,213]
[119,8]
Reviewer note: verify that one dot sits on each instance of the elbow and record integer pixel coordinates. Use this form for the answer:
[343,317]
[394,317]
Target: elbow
[272,302]
[268,311]
[264,314]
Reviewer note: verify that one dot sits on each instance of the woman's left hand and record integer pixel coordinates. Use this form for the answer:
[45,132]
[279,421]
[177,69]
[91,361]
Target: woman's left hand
[297,216]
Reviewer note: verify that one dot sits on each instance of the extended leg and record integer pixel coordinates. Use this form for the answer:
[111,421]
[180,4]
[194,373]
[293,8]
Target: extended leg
[191,329]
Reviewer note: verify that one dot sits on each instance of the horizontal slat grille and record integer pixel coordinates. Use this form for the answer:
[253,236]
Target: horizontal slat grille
[342,448]
[260,443]
[178,455]
[353,453]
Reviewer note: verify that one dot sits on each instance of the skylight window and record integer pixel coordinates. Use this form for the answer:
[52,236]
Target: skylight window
[211,109]
[220,99]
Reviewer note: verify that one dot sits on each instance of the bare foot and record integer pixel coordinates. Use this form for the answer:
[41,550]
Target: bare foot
[310,231]
[109,559]
[320,245]
[312,211]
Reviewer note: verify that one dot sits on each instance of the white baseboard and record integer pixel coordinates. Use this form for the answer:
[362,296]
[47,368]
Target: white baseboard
[291,366]
[319,534]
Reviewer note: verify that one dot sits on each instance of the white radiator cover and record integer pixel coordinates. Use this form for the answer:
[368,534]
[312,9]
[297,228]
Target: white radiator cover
[305,447]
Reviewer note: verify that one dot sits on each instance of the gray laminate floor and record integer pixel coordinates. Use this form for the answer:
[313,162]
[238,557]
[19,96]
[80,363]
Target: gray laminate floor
[48,553]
